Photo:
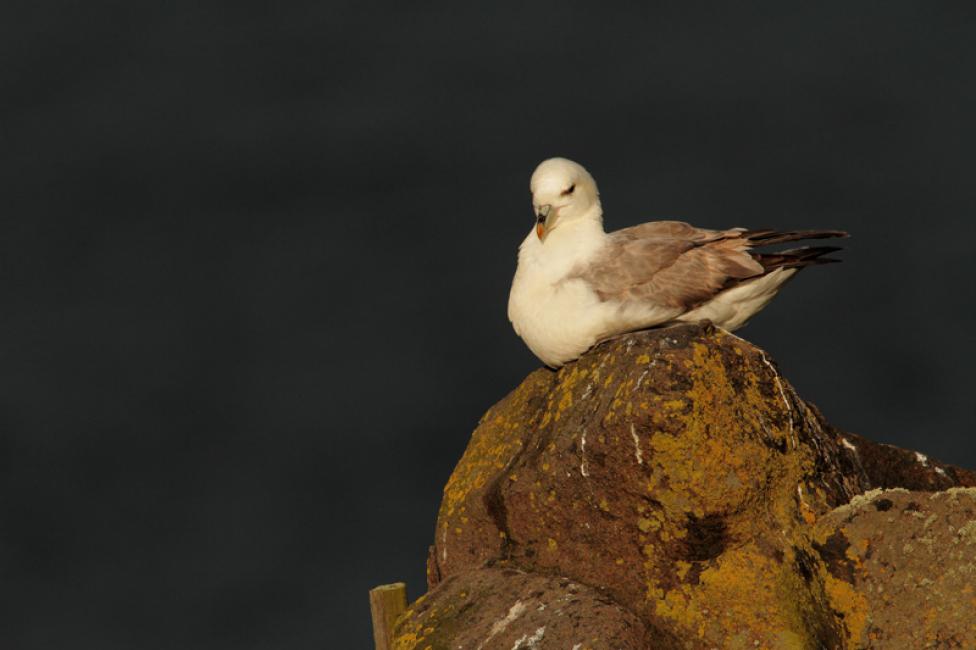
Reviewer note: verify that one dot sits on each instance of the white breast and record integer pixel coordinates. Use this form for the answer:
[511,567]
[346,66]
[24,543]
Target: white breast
[559,318]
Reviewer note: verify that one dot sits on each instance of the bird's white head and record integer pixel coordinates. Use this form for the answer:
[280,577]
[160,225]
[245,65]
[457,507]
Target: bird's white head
[563,192]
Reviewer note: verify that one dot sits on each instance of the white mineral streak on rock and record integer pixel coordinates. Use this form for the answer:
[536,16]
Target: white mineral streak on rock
[526,641]
[922,458]
[637,449]
[587,392]
[583,455]
[640,380]
[782,393]
[499,626]
[779,384]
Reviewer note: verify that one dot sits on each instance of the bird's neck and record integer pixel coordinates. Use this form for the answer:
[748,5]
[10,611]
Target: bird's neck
[570,243]
[586,227]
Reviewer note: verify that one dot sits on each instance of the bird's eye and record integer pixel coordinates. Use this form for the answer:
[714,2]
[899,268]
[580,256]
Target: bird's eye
[570,190]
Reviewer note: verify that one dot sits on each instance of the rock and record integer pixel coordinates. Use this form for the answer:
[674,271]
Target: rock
[505,608]
[901,568]
[889,467]
[675,472]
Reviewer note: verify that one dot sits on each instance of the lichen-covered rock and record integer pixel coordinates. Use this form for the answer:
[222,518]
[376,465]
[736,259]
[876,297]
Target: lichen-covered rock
[505,608]
[902,568]
[678,473]
[673,468]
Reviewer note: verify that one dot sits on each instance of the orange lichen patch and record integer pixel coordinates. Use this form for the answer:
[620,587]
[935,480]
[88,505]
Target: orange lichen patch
[808,516]
[411,631]
[407,640]
[712,444]
[691,480]
[745,592]
[681,569]
[852,606]
[749,401]
[565,402]
[493,444]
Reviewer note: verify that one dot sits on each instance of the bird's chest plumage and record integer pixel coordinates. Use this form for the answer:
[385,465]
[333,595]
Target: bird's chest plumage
[557,315]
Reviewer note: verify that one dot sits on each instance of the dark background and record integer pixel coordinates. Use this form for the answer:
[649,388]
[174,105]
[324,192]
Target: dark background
[255,259]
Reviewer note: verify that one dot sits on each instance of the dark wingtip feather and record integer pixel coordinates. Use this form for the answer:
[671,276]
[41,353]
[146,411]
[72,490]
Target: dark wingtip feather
[797,257]
[811,250]
[768,237]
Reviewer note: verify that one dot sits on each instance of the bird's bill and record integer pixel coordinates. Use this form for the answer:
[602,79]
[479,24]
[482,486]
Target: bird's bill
[542,220]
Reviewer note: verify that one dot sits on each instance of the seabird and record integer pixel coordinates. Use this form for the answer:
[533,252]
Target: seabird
[577,285]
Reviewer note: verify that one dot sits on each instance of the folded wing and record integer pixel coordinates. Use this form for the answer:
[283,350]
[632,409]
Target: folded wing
[674,264]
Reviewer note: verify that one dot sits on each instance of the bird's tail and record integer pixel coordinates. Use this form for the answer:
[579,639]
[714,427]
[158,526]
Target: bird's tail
[795,258]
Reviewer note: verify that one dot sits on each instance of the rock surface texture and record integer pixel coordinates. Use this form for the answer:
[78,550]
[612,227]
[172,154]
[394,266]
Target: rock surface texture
[670,490]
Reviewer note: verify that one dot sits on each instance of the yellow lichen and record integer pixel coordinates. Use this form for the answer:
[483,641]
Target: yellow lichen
[745,592]
[852,605]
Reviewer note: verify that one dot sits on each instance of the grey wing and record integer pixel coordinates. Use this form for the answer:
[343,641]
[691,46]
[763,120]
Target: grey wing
[670,263]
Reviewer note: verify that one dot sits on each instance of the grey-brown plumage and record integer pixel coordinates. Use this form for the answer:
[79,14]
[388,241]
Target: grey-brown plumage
[672,263]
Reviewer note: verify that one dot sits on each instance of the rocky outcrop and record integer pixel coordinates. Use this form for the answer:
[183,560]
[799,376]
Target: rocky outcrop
[505,608]
[691,498]
[901,566]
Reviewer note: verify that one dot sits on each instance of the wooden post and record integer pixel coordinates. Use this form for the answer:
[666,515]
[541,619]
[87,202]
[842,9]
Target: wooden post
[386,602]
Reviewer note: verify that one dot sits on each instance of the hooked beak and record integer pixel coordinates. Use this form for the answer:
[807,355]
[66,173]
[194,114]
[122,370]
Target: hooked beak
[542,220]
